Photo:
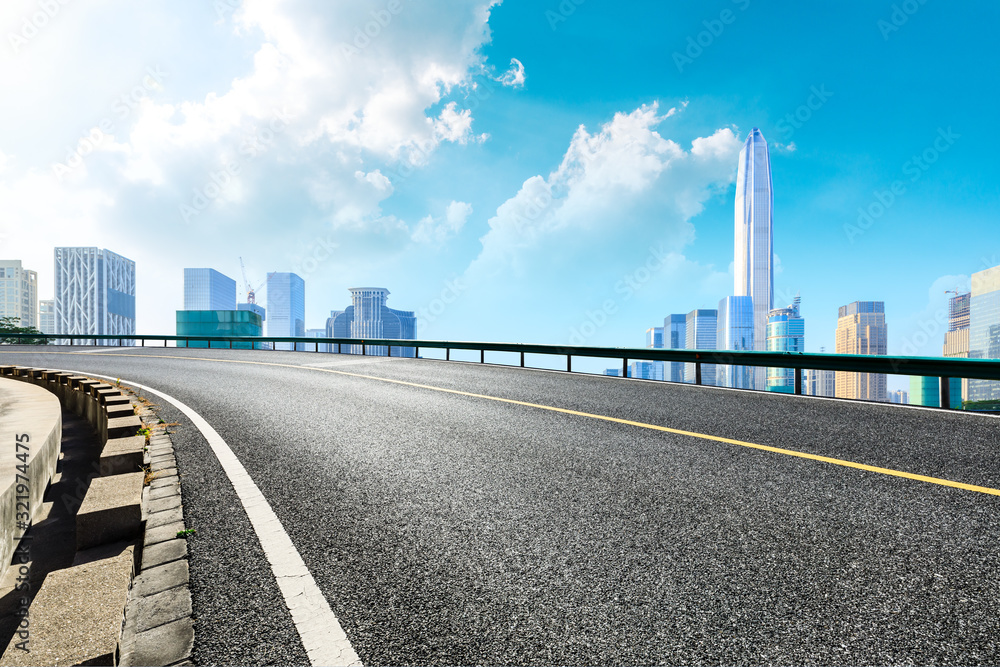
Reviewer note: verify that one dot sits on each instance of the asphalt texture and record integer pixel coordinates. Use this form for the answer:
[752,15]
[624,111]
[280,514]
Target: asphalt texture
[451,529]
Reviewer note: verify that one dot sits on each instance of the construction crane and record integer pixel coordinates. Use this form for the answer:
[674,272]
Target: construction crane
[251,291]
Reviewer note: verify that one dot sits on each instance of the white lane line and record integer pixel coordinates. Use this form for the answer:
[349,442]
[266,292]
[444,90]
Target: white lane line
[324,639]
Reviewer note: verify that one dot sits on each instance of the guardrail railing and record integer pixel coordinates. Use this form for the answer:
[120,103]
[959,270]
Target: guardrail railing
[940,367]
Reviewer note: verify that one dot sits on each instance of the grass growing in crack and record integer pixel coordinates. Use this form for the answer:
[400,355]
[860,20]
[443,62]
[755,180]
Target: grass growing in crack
[186,532]
[149,476]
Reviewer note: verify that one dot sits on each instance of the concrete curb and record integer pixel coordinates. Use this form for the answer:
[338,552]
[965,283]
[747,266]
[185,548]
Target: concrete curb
[155,624]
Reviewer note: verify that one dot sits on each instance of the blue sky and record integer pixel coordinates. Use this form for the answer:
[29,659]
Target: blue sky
[535,171]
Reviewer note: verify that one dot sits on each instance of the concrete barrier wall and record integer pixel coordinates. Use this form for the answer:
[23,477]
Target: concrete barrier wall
[32,417]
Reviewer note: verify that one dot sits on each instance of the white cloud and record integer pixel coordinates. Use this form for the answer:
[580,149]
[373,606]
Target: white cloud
[621,199]
[429,230]
[513,77]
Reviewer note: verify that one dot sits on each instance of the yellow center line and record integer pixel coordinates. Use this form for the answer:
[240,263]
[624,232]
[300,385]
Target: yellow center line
[577,413]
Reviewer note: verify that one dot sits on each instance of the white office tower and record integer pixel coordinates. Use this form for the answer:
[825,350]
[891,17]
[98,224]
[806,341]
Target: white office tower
[18,293]
[95,292]
[754,256]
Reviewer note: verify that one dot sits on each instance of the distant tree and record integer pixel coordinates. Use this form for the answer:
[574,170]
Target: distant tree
[10,325]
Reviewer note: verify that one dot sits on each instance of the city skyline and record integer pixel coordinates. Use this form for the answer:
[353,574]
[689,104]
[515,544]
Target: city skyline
[478,175]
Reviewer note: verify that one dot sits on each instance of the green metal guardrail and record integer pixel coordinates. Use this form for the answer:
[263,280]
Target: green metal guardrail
[943,368]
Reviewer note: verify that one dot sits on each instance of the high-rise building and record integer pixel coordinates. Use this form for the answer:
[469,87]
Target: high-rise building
[861,330]
[286,308]
[47,316]
[207,289]
[754,256]
[613,372]
[956,339]
[701,335]
[674,338]
[646,370]
[786,332]
[319,333]
[900,396]
[369,317]
[984,329]
[95,292]
[18,293]
[734,331]
[927,391]
[654,337]
[819,383]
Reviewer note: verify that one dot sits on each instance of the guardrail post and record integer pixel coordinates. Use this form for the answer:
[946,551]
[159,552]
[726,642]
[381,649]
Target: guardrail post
[798,381]
[946,393]
[164,342]
[482,356]
[230,343]
[390,350]
[447,354]
[317,347]
[364,349]
[625,367]
[569,363]
[416,353]
[522,360]
[697,372]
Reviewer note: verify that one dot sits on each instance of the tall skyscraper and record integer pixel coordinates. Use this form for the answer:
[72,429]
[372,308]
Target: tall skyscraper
[984,329]
[956,339]
[786,332]
[674,338]
[735,332]
[95,292]
[286,307]
[654,337]
[47,316]
[18,293]
[754,256]
[654,340]
[369,317]
[861,330]
[900,396]
[207,289]
[701,327]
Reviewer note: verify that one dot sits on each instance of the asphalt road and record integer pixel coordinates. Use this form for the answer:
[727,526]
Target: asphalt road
[453,529]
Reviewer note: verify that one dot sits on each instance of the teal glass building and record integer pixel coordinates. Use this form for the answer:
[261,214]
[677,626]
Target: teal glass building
[219,323]
[927,391]
[786,332]
[984,329]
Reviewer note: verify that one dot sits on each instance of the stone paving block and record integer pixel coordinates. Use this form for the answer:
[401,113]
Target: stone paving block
[161,505]
[122,455]
[162,578]
[123,427]
[168,644]
[162,491]
[157,519]
[76,617]
[164,481]
[163,533]
[155,610]
[164,552]
[110,511]
[120,410]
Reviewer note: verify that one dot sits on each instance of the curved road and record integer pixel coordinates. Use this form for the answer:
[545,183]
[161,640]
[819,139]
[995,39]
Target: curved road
[453,513]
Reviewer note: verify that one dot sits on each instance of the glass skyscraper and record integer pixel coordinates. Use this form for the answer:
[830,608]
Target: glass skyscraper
[47,316]
[674,338]
[754,256]
[286,308]
[369,317]
[95,292]
[701,335]
[861,329]
[18,293]
[927,391]
[207,289]
[984,329]
[786,332]
[735,332]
